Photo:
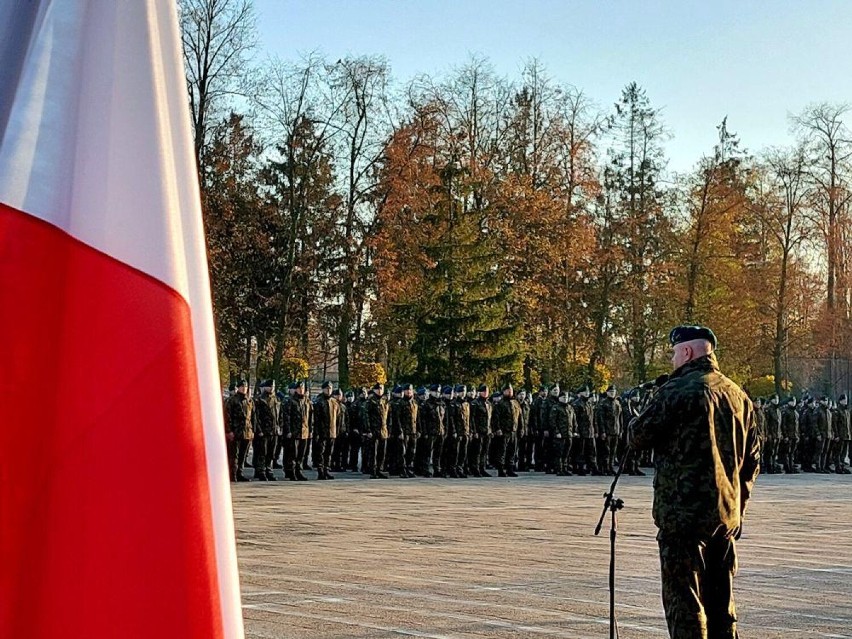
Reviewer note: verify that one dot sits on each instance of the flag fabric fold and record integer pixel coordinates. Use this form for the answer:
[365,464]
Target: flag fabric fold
[115,517]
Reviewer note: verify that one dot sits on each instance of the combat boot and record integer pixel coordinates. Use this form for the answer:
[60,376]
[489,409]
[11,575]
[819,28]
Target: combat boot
[300,476]
[483,472]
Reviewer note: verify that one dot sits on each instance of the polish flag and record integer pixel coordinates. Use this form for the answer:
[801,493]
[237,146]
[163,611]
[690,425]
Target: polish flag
[115,515]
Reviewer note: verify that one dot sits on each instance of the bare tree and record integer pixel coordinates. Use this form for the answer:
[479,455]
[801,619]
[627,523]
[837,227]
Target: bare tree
[218,37]
[782,210]
[829,144]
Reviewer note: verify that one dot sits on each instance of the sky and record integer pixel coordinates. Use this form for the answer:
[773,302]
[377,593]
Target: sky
[754,62]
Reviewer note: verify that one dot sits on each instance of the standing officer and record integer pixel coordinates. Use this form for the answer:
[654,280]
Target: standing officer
[340,455]
[843,431]
[563,425]
[524,446]
[536,453]
[586,455]
[608,421]
[789,436]
[268,431]
[240,410]
[772,428]
[506,414]
[299,415]
[480,426]
[326,416]
[701,427]
[377,429]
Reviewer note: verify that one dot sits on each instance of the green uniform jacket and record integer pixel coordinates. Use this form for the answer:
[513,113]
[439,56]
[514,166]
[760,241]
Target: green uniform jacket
[241,416]
[563,421]
[326,415]
[585,417]
[505,417]
[608,416]
[267,415]
[772,414]
[789,423]
[459,411]
[841,423]
[480,416]
[760,424]
[299,411]
[822,423]
[408,410]
[377,416]
[702,428]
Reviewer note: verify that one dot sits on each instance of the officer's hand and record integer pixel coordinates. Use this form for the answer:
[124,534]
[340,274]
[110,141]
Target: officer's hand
[289,435]
[402,436]
[577,435]
[498,433]
[355,432]
[546,433]
[558,435]
[229,436]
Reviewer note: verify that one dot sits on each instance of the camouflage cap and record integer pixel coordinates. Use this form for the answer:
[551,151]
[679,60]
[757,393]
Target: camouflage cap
[680,334]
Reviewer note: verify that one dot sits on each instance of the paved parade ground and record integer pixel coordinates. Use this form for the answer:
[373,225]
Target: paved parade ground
[510,558]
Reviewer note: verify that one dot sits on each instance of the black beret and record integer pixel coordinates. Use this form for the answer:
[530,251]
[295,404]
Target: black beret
[680,334]
[267,383]
[508,387]
[327,384]
[421,390]
[483,388]
[461,388]
[407,387]
[242,382]
[299,384]
[378,386]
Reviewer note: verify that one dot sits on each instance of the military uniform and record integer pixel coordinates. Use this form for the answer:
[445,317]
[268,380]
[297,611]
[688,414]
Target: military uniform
[299,415]
[608,426]
[241,419]
[789,438]
[268,431]
[377,423]
[563,425]
[823,435]
[340,454]
[524,436]
[772,427]
[480,418]
[505,419]
[701,427]
[585,459]
[843,432]
[537,455]
[326,417]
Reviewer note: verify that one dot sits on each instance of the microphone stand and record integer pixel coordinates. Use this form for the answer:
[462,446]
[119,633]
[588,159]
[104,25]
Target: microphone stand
[613,504]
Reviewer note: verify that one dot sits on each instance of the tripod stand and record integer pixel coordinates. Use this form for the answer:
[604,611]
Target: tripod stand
[613,504]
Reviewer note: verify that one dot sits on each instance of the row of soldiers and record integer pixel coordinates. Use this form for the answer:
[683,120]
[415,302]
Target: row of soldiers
[440,431]
[812,435]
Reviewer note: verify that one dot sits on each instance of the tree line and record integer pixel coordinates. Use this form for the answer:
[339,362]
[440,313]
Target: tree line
[470,226]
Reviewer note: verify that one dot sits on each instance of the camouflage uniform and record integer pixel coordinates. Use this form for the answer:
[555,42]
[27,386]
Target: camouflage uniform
[608,426]
[702,429]
[299,415]
[823,435]
[536,432]
[240,419]
[585,458]
[326,417]
[377,423]
[505,419]
[563,426]
[480,425]
[268,432]
[843,431]
[772,416]
[789,438]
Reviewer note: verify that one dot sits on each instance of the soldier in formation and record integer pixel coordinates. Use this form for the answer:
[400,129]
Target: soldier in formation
[457,431]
